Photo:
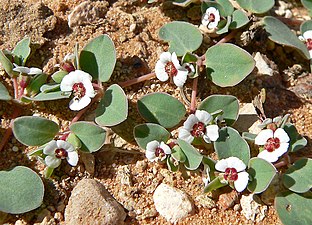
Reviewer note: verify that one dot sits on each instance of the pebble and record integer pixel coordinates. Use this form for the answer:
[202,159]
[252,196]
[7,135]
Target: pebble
[204,201]
[15,149]
[227,200]
[141,166]
[90,201]
[247,117]
[132,27]
[252,209]
[172,203]
[262,65]
[124,175]
[20,222]
[88,161]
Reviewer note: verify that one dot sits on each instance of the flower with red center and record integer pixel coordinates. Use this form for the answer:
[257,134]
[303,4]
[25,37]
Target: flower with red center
[168,66]
[197,126]
[307,38]
[190,68]
[233,172]
[79,83]
[275,143]
[58,150]
[211,18]
[157,151]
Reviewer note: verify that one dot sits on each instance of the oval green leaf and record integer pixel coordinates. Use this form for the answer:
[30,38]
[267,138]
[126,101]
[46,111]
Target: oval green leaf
[256,6]
[262,173]
[59,75]
[4,94]
[161,108]
[227,103]
[113,107]
[239,19]
[22,50]
[305,26]
[92,137]
[230,143]
[293,208]
[98,58]
[307,4]
[281,34]
[21,190]
[227,64]
[193,157]
[225,7]
[183,37]
[6,63]
[34,130]
[297,142]
[49,96]
[214,185]
[145,133]
[297,178]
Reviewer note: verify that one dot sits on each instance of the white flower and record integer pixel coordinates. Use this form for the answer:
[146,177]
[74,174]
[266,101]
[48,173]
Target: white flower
[58,150]
[233,172]
[211,18]
[79,83]
[26,70]
[307,38]
[275,144]
[196,125]
[190,68]
[157,151]
[168,66]
[206,176]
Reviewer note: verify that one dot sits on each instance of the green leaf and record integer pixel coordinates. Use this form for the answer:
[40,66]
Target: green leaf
[227,103]
[227,64]
[161,108]
[4,94]
[49,96]
[92,137]
[297,178]
[59,75]
[98,58]
[113,107]
[230,143]
[46,88]
[297,142]
[293,208]
[256,6]
[193,157]
[224,6]
[213,185]
[170,163]
[306,25]
[178,154]
[249,136]
[281,34]
[211,163]
[36,82]
[307,4]
[6,63]
[223,26]
[183,3]
[262,173]
[22,50]
[239,19]
[183,37]
[74,140]
[21,190]
[34,130]
[145,133]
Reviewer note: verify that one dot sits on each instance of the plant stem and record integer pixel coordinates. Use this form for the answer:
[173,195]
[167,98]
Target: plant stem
[137,80]
[8,132]
[15,87]
[227,37]
[194,93]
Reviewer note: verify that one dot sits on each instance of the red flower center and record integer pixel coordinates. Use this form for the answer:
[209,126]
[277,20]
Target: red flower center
[170,69]
[211,17]
[272,144]
[159,152]
[79,90]
[61,153]
[230,174]
[198,130]
[309,43]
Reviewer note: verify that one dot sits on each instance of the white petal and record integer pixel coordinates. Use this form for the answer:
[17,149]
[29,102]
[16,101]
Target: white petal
[301,38]
[281,135]
[72,158]
[282,149]
[268,156]
[307,34]
[52,162]
[150,156]
[175,61]
[65,145]
[241,183]
[152,145]
[165,147]
[190,122]
[203,116]
[212,131]
[50,148]
[165,57]
[185,135]
[213,25]
[221,165]
[21,69]
[234,162]
[67,83]
[34,70]
[180,78]
[205,20]
[78,104]
[263,136]
[310,52]
[161,72]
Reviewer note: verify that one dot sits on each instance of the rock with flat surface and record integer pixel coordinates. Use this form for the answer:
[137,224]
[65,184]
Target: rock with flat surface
[91,203]
[172,203]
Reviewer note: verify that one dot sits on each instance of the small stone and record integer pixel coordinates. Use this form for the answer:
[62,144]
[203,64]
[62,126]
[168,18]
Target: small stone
[288,14]
[237,207]
[262,65]
[247,117]
[88,161]
[172,203]
[227,200]
[15,149]
[124,175]
[122,38]
[251,208]
[132,27]
[58,216]
[149,213]
[141,166]
[205,201]
[90,201]
[20,222]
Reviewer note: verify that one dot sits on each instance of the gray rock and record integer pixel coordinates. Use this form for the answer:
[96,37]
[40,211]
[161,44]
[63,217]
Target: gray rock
[172,203]
[251,209]
[262,65]
[247,118]
[91,203]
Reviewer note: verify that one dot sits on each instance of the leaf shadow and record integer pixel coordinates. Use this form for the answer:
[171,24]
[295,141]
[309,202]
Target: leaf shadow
[146,113]
[89,63]
[105,102]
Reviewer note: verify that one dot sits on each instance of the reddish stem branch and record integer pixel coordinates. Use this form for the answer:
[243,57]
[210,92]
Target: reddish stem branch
[137,80]
[193,97]
[227,37]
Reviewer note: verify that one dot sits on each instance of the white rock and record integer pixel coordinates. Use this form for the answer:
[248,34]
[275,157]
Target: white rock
[262,66]
[91,203]
[251,209]
[172,203]
[247,117]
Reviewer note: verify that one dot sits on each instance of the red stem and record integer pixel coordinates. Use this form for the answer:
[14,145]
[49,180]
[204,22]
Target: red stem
[137,80]
[193,97]
[228,37]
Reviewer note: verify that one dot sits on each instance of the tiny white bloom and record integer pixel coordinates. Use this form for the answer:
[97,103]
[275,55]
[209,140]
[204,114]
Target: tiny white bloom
[168,66]
[58,150]
[275,143]
[79,83]
[197,125]
[233,172]
[307,38]
[206,176]
[157,151]
[211,18]
[190,68]
[26,70]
